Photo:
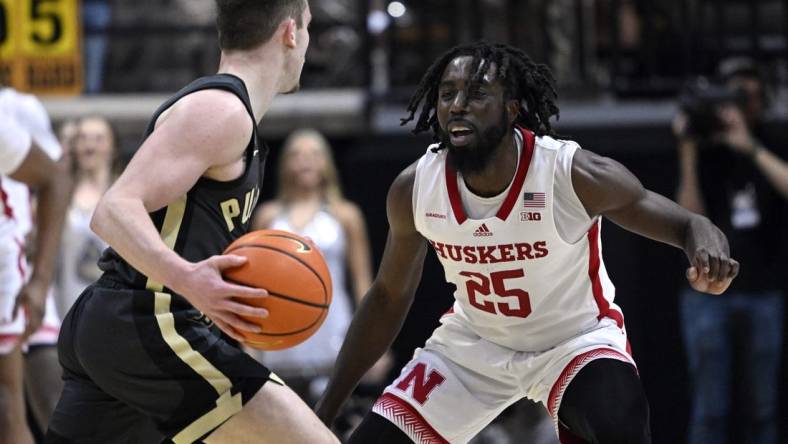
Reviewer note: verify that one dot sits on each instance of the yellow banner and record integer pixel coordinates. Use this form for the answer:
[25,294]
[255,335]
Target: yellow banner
[40,46]
[7,27]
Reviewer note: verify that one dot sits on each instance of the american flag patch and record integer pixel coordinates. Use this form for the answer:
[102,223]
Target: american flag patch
[533,200]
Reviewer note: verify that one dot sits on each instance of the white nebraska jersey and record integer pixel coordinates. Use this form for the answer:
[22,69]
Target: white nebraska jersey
[519,283]
[23,120]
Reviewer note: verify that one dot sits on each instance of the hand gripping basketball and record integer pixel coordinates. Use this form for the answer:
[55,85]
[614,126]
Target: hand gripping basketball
[298,282]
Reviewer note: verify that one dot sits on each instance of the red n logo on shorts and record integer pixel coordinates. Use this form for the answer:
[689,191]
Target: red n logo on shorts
[421,389]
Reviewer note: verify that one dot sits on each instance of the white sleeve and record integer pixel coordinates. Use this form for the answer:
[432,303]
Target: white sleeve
[32,114]
[571,219]
[15,143]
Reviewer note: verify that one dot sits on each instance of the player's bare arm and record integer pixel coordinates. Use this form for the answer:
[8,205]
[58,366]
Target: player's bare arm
[383,310]
[52,183]
[605,187]
[189,142]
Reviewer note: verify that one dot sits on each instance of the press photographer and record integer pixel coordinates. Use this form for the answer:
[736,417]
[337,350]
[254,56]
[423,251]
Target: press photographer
[729,172]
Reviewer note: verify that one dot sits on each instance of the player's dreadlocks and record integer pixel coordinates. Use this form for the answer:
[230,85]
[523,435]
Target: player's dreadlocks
[530,83]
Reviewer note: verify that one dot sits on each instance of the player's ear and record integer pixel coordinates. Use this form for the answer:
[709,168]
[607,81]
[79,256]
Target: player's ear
[513,110]
[289,34]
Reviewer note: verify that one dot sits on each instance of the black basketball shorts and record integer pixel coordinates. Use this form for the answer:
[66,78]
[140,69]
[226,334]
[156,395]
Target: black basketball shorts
[146,367]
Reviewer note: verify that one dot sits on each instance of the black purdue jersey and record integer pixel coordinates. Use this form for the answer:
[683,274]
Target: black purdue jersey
[212,214]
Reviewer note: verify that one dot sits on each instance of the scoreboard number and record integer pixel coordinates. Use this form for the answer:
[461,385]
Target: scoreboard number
[3,25]
[40,46]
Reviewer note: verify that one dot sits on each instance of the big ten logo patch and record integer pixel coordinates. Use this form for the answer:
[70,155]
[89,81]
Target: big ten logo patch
[422,384]
[529,216]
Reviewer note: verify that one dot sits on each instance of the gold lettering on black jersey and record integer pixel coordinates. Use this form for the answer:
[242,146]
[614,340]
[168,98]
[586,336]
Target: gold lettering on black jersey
[250,202]
[231,208]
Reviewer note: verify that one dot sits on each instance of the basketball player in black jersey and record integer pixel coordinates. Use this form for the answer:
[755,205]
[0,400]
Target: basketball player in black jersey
[143,355]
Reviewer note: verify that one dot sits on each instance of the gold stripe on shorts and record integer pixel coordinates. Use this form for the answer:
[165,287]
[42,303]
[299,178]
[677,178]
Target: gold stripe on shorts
[227,405]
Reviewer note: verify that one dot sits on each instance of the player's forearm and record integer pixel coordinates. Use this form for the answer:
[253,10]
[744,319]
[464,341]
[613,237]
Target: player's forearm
[125,225]
[361,272]
[53,200]
[657,217]
[702,233]
[375,325]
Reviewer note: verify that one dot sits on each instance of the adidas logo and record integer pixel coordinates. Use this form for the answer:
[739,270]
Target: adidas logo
[482,231]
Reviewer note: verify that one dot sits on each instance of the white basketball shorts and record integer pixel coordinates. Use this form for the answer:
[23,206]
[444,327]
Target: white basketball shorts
[13,267]
[47,333]
[459,382]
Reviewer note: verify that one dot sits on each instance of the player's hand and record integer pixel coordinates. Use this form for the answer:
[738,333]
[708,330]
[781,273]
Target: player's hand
[711,272]
[32,298]
[205,289]
[711,267]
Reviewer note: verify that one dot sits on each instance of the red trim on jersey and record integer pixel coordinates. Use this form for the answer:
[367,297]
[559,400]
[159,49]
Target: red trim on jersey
[519,176]
[5,339]
[407,419]
[594,261]
[571,369]
[21,259]
[7,210]
[48,329]
[514,191]
[616,316]
[454,194]
[450,311]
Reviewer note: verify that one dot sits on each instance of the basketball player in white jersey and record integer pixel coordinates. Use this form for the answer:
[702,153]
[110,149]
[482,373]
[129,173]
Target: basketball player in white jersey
[42,372]
[27,149]
[513,215]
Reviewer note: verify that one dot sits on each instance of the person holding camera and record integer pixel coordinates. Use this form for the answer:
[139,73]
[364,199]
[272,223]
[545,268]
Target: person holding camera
[730,174]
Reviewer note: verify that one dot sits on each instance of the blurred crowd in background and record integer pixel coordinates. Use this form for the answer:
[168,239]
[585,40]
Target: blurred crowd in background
[630,48]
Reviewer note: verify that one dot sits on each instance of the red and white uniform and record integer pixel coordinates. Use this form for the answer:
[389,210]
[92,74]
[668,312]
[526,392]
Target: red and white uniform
[533,300]
[23,120]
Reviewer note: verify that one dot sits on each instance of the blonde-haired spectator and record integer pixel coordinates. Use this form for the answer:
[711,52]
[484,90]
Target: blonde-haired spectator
[309,201]
[93,158]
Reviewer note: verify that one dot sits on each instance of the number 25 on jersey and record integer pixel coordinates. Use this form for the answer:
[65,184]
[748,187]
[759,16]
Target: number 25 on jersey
[491,295]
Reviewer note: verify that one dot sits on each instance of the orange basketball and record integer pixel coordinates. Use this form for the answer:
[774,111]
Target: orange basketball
[298,283]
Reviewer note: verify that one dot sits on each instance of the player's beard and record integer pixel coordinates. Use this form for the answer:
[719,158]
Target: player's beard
[474,158]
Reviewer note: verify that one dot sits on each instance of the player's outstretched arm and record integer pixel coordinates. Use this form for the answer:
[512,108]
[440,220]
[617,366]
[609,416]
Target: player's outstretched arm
[383,309]
[203,132]
[52,184]
[605,187]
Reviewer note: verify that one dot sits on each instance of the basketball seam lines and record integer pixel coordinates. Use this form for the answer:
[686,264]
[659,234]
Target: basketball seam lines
[295,332]
[282,296]
[309,267]
[307,247]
